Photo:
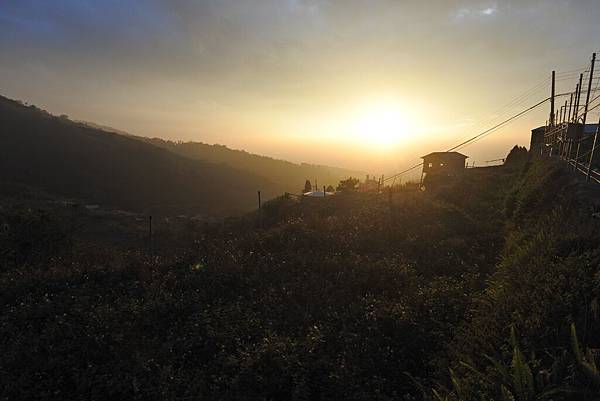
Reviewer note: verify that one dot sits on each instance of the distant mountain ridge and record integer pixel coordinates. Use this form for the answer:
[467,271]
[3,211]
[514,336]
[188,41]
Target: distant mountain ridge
[73,160]
[289,175]
[99,164]
[103,127]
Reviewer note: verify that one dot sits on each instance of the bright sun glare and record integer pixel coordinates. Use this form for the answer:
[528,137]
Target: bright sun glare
[382,125]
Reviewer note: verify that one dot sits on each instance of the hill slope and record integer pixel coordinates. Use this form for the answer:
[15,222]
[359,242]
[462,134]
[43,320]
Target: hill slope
[289,175]
[74,160]
[471,290]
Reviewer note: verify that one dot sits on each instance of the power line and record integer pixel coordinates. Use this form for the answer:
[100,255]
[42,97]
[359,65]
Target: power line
[561,76]
[460,145]
[504,111]
[403,172]
[478,136]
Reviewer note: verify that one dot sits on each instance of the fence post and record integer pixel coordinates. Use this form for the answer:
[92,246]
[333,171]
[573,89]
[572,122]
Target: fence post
[589,169]
[570,106]
[259,210]
[578,98]
[150,235]
[560,114]
[552,115]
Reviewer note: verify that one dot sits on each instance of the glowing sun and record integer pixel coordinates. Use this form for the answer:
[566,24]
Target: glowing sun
[382,125]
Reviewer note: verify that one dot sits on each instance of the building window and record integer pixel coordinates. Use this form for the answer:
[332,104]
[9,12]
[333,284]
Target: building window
[441,164]
[430,165]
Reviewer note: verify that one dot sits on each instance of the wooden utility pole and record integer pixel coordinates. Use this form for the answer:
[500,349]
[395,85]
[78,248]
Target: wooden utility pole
[259,201]
[589,89]
[324,193]
[552,99]
[589,169]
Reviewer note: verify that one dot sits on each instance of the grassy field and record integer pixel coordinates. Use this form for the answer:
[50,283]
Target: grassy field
[469,291]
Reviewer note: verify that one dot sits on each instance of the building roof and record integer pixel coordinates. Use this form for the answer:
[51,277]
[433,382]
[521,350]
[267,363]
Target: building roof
[318,194]
[442,154]
[589,128]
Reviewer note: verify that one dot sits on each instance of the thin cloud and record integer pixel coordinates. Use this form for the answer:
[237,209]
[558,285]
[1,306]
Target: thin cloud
[490,10]
[476,12]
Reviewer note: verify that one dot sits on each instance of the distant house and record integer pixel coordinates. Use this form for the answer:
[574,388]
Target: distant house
[317,194]
[370,184]
[568,131]
[444,163]
[537,139]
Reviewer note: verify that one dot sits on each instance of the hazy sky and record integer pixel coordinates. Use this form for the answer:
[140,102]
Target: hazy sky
[358,83]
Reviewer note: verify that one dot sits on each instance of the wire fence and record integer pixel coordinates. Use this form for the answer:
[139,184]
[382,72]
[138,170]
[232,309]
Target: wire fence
[567,134]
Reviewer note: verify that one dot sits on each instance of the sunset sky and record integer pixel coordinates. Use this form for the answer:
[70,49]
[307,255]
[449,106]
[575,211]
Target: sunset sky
[369,84]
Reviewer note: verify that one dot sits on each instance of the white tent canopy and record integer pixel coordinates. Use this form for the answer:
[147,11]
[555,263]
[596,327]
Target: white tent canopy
[318,194]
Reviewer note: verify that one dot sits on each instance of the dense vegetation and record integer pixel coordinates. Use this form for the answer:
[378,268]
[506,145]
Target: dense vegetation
[406,295]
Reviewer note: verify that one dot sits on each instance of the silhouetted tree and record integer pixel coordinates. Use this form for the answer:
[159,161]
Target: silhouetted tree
[517,155]
[348,185]
[307,186]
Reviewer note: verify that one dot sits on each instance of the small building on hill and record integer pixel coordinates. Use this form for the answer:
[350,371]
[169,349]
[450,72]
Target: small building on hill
[565,131]
[443,163]
[370,184]
[537,139]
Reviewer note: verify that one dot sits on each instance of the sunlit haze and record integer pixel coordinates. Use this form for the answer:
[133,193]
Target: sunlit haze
[325,200]
[362,84]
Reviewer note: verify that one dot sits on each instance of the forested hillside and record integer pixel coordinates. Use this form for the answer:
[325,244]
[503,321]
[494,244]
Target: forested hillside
[484,289]
[282,172]
[73,160]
